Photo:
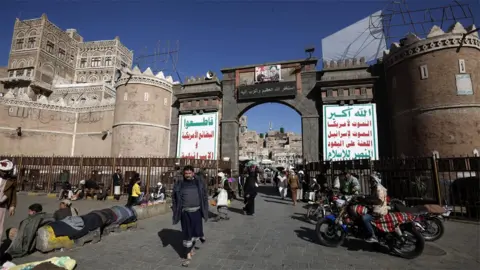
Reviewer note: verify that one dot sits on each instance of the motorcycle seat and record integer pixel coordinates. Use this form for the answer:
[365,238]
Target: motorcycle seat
[412,210]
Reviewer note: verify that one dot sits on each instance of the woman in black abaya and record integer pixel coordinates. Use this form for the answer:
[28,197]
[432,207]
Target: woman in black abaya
[250,190]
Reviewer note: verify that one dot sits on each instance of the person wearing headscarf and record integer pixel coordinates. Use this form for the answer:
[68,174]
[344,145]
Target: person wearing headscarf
[282,184]
[301,184]
[378,202]
[8,191]
[65,210]
[294,185]
[159,194]
[250,187]
[222,197]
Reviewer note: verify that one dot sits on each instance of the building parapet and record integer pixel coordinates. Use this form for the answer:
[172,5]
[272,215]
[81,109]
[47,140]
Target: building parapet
[345,64]
[147,77]
[437,39]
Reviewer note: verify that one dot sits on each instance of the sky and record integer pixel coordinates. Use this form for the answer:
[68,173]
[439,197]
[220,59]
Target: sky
[212,34]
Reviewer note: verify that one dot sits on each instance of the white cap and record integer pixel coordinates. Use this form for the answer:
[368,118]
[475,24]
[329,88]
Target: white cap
[159,183]
[221,174]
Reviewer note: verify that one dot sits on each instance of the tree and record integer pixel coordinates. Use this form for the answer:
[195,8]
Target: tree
[261,136]
[282,130]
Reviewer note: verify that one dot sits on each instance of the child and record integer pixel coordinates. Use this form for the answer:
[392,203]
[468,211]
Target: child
[222,198]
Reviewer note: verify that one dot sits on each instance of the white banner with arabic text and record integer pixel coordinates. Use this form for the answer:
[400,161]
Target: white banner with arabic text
[350,132]
[197,136]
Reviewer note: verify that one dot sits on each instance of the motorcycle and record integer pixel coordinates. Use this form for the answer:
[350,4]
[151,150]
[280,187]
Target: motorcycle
[323,206]
[428,220]
[394,230]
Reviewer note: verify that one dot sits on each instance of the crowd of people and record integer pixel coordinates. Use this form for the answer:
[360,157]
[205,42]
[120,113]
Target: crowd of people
[190,203]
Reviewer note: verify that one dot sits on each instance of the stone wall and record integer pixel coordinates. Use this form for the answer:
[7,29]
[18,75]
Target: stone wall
[49,132]
[142,115]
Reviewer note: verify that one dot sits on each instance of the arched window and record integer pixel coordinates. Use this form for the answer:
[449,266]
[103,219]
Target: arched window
[19,41]
[436,154]
[62,53]
[32,39]
[476,153]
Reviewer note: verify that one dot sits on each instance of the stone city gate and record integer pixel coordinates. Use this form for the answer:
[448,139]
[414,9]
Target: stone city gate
[296,84]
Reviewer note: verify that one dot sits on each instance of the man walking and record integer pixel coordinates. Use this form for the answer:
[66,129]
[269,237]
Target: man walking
[189,206]
[117,183]
[301,184]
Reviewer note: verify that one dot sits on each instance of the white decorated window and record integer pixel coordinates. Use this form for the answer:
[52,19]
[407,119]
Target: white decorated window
[165,101]
[423,72]
[146,96]
[125,96]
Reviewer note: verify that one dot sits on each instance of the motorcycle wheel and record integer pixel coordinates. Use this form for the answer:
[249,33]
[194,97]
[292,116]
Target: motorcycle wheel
[434,229]
[410,233]
[333,237]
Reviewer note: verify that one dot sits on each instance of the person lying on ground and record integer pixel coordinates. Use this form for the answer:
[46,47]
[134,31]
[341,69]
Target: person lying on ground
[65,209]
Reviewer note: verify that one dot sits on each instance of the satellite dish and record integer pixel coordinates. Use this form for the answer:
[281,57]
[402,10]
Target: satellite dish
[209,75]
[118,75]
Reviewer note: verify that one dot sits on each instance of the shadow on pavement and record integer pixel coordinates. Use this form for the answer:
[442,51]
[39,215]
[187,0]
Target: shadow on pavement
[354,244]
[172,238]
[212,214]
[306,234]
[279,202]
[301,217]
[236,210]
[271,197]
[267,190]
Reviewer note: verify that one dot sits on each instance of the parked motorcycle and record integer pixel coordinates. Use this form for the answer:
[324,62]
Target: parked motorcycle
[428,220]
[395,230]
[322,206]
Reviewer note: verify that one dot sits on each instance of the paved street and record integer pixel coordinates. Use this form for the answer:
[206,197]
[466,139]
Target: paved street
[276,238]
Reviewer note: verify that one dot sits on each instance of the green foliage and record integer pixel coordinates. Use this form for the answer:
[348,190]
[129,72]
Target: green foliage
[282,130]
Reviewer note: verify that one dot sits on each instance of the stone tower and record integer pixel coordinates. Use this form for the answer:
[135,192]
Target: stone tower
[433,86]
[141,126]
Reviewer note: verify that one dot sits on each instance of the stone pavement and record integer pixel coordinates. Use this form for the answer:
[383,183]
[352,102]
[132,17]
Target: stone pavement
[275,238]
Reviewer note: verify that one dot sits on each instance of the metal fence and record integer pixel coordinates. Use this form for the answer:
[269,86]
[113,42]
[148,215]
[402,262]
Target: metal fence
[447,181]
[45,174]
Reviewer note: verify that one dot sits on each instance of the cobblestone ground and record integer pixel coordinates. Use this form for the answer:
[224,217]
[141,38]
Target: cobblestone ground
[276,238]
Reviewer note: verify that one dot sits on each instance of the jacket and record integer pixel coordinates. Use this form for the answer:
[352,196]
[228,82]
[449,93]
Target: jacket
[117,179]
[136,190]
[24,242]
[293,181]
[177,206]
[10,191]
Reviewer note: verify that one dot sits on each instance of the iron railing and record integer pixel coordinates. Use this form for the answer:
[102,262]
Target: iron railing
[45,174]
[447,181]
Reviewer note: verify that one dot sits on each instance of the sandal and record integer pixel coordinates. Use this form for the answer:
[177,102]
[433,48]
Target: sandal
[186,263]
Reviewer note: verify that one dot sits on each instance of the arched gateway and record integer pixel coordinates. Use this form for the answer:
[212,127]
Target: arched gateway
[203,107]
